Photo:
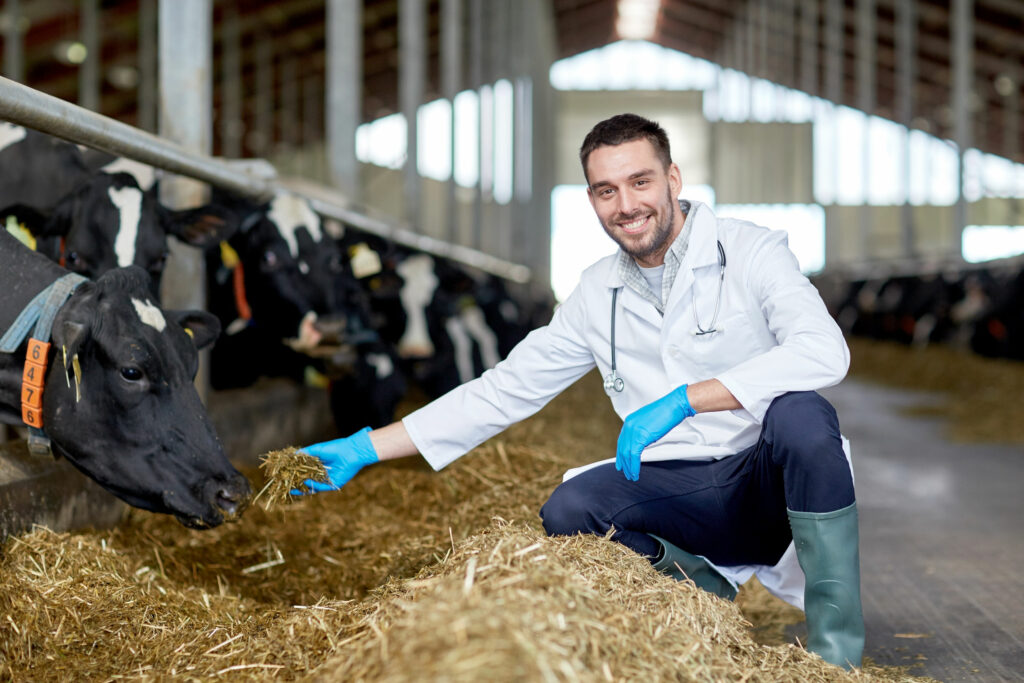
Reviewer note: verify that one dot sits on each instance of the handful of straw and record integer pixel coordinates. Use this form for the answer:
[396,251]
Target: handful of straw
[287,469]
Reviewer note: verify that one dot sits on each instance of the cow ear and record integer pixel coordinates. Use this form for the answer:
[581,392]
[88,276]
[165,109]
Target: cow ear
[60,220]
[68,338]
[202,227]
[203,327]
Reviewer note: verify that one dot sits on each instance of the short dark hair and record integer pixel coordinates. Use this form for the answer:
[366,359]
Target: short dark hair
[623,128]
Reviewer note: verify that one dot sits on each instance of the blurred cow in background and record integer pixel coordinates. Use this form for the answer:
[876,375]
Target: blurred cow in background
[977,308]
[91,221]
[291,307]
[449,324]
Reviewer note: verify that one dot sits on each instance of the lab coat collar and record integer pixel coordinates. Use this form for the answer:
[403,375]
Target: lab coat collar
[702,252]
[703,249]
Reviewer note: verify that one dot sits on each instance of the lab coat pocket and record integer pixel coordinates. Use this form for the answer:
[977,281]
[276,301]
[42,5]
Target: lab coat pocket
[732,342]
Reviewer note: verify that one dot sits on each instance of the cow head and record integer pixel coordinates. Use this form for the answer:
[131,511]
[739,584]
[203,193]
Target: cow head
[110,222]
[120,404]
[291,268]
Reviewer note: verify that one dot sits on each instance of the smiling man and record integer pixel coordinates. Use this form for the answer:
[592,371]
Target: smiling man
[712,345]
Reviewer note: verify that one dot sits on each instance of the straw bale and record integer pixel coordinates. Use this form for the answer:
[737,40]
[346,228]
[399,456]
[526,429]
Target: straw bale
[369,583]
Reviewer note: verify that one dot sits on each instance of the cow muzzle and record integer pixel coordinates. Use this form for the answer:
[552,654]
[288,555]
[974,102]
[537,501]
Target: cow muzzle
[231,498]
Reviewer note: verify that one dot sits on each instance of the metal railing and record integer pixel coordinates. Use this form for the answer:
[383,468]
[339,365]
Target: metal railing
[30,108]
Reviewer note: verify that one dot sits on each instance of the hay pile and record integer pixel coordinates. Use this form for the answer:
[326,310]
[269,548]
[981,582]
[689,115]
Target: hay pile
[981,396]
[404,574]
[286,470]
[508,604]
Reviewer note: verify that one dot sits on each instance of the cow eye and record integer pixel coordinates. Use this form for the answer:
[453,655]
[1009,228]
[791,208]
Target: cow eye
[131,374]
[157,266]
[270,259]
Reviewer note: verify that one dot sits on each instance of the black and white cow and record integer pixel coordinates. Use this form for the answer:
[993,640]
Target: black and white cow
[118,400]
[447,324]
[289,301]
[92,221]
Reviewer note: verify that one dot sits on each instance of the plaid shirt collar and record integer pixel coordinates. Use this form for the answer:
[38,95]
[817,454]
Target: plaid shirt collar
[630,273]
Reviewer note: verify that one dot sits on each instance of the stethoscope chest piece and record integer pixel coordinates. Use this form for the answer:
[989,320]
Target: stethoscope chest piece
[613,383]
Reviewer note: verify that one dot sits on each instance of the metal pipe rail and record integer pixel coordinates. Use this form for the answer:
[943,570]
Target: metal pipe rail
[30,108]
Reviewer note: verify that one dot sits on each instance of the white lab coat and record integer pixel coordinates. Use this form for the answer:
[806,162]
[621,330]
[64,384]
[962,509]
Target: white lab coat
[774,336]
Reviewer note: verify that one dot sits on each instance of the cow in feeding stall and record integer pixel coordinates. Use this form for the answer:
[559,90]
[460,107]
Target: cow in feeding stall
[291,306]
[448,324]
[113,392]
[92,221]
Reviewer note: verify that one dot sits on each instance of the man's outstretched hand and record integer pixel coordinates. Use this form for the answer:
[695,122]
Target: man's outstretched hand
[342,458]
[648,424]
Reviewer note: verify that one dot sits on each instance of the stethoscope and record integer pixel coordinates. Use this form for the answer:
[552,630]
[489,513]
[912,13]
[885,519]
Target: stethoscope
[612,381]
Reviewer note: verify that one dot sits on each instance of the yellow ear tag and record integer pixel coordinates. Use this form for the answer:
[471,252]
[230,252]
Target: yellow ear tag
[21,233]
[228,256]
[78,377]
[365,261]
[189,332]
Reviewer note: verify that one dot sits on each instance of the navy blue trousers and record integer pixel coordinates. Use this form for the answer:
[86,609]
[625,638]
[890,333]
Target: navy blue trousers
[733,510]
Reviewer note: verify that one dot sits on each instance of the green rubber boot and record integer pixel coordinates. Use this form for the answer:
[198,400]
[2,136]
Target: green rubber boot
[681,565]
[826,547]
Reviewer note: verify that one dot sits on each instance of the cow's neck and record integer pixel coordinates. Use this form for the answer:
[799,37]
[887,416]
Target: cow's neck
[23,274]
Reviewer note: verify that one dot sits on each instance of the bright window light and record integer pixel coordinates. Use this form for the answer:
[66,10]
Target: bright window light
[805,224]
[637,19]
[467,140]
[577,238]
[987,242]
[503,141]
[382,142]
[434,140]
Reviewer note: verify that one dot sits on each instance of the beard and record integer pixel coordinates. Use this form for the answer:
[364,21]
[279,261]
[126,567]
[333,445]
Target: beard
[653,240]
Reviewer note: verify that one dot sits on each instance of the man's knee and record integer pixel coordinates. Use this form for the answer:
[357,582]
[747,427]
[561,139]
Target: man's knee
[567,511]
[803,421]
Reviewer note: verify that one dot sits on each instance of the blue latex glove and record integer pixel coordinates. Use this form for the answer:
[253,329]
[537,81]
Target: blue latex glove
[648,424]
[342,459]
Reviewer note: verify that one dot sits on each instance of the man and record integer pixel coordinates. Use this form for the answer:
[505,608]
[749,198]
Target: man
[711,343]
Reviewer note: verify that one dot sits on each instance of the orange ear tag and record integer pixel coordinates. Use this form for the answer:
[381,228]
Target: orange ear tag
[32,379]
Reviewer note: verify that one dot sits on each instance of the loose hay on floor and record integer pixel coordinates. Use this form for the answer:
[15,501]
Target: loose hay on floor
[507,604]
[286,470]
[371,583]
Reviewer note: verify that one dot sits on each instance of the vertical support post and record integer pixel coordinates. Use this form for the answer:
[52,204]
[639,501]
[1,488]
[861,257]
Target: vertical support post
[541,48]
[451,77]
[147,65]
[231,84]
[185,46]
[762,38]
[263,121]
[89,70]
[962,29]
[906,63]
[14,64]
[809,47]
[412,46]
[834,82]
[288,130]
[312,106]
[343,106]
[476,58]
[522,136]
[866,103]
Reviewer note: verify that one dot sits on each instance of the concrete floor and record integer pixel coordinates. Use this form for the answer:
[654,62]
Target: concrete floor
[942,540]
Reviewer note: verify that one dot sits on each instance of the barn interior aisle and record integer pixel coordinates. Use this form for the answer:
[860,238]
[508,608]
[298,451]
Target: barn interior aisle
[940,518]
